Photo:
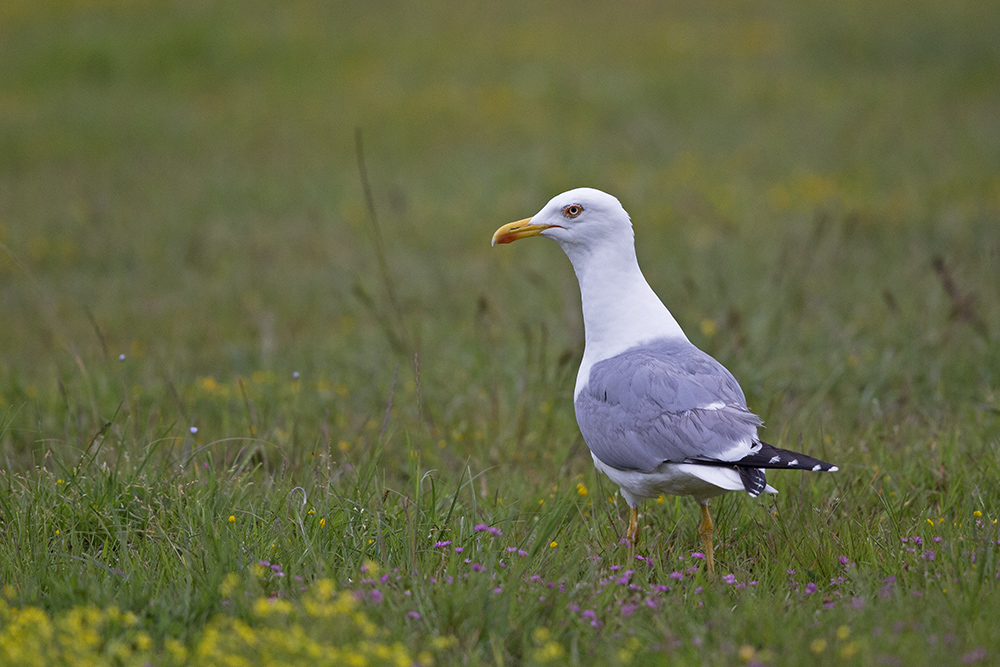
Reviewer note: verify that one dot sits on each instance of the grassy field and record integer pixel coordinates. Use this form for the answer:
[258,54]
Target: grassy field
[248,416]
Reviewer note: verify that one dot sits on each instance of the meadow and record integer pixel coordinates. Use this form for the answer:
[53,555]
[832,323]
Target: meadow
[267,395]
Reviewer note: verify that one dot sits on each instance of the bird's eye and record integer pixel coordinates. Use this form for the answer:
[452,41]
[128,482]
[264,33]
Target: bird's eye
[572,210]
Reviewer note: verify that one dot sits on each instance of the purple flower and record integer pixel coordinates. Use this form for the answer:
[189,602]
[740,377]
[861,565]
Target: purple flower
[498,590]
[974,656]
[628,609]
[810,588]
[729,579]
[376,595]
[522,552]
[459,550]
[476,567]
[929,554]
[698,554]
[415,615]
[589,613]
[676,575]
[442,544]
[480,527]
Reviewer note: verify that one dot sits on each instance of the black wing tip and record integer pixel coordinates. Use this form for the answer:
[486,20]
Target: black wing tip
[769,456]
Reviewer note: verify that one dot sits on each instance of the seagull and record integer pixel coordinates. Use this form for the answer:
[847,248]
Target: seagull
[659,415]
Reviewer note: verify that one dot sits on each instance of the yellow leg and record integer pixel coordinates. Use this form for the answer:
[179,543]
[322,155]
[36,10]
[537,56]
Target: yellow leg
[706,537]
[633,530]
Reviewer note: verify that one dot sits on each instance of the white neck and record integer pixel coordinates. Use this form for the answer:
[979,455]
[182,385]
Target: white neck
[620,309]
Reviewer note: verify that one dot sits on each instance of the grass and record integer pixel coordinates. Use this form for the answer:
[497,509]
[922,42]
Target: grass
[253,400]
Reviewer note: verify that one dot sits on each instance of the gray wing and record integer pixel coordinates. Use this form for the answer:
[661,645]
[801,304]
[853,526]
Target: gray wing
[651,404]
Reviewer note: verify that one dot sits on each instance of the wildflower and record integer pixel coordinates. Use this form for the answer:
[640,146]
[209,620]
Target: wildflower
[322,522]
[581,489]
[698,554]
[676,575]
[810,588]
[442,544]
[843,632]
[553,544]
[729,579]
[459,550]
[817,645]
[746,653]
[977,514]
[415,615]
[849,650]
[232,518]
[194,429]
[975,655]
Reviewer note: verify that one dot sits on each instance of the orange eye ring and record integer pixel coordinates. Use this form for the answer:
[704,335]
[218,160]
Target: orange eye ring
[572,210]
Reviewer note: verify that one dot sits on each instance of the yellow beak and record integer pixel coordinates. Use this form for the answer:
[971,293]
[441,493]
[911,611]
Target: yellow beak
[517,230]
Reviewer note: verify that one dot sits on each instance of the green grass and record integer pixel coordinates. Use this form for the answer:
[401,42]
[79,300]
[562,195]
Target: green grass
[816,195]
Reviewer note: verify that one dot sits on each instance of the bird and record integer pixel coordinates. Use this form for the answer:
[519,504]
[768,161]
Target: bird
[659,415]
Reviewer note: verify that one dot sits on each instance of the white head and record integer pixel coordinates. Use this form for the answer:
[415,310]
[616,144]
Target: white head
[584,222]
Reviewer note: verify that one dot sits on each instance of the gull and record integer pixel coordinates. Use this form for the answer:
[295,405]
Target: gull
[659,415]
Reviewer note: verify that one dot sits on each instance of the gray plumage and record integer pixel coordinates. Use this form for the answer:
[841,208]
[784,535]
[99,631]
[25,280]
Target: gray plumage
[666,401]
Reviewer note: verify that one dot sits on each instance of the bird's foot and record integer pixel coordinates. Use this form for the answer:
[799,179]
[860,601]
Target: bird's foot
[706,538]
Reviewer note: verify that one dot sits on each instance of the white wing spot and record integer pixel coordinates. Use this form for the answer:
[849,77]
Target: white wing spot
[793,462]
[717,405]
[833,469]
[816,467]
[774,459]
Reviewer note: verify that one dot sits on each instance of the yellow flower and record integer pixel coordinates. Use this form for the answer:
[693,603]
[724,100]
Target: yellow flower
[747,653]
[843,632]
[977,514]
[581,489]
[232,518]
[553,544]
[817,645]
[322,522]
[849,650]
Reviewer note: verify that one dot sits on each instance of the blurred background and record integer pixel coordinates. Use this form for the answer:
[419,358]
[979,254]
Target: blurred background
[815,189]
